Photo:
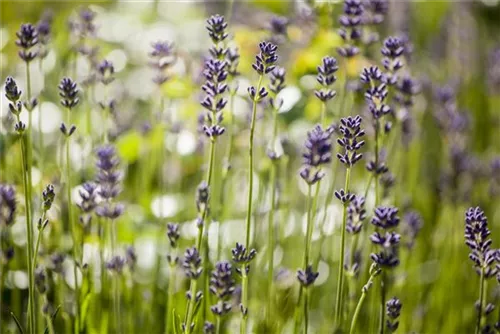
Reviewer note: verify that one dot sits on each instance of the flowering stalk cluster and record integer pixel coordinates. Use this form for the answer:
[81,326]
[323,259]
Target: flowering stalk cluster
[222,287]
[351,27]
[350,143]
[265,63]
[393,311]
[276,85]
[13,94]
[483,257]
[373,15]
[193,269]
[385,220]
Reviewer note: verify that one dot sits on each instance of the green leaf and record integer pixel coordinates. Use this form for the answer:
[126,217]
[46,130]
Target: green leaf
[17,322]
[85,307]
[53,317]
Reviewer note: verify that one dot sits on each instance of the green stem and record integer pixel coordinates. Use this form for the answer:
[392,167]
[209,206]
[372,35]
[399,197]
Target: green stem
[481,297]
[38,239]
[116,304]
[368,184]
[309,228]
[170,298]
[217,324]
[250,164]
[382,303]
[364,292]
[244,288]
[225,173]
[306,309]
[271,242]
[48,318]
[323,114]
[40,132]
[340,286]
[307,243]
[73,227]
[209,181]
[271,228]
[244,298]
[189,314]
[28,163]
[199,238]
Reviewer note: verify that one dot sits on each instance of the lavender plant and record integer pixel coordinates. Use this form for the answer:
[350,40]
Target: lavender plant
[477,239]
[101,269]
[277,84]
[318,153]
[264,64]
[385,220]
[351,143]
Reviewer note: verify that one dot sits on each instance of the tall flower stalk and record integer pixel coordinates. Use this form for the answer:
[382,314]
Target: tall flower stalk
[232,58]
[172,258]
[375,96]
[385,237]
[276,86]
[193,269]
[69,99]
[162,57]
[318,154]
[48,196]
[109,210]
[222,287]
[374,272]
[477,239]
[215,87]
[264,64]
[27,40]
[326,78]
[350,143]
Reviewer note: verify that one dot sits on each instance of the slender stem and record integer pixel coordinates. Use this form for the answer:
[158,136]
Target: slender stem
[323,114]
[38,239]
[199,238]
[116,304]
[28,163]
[217,324]
[368,184]
[73,227]
[250,164]
[305,261]
[364,292]
[306,309]
[354,246]
[170,298]
[309,228]
[340,286]
[382,302]
[225,172]
[189,315]
[40,132]
[48,318]
[244,288]
[271,242]
[481,302]
[271,228]
[244,298]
